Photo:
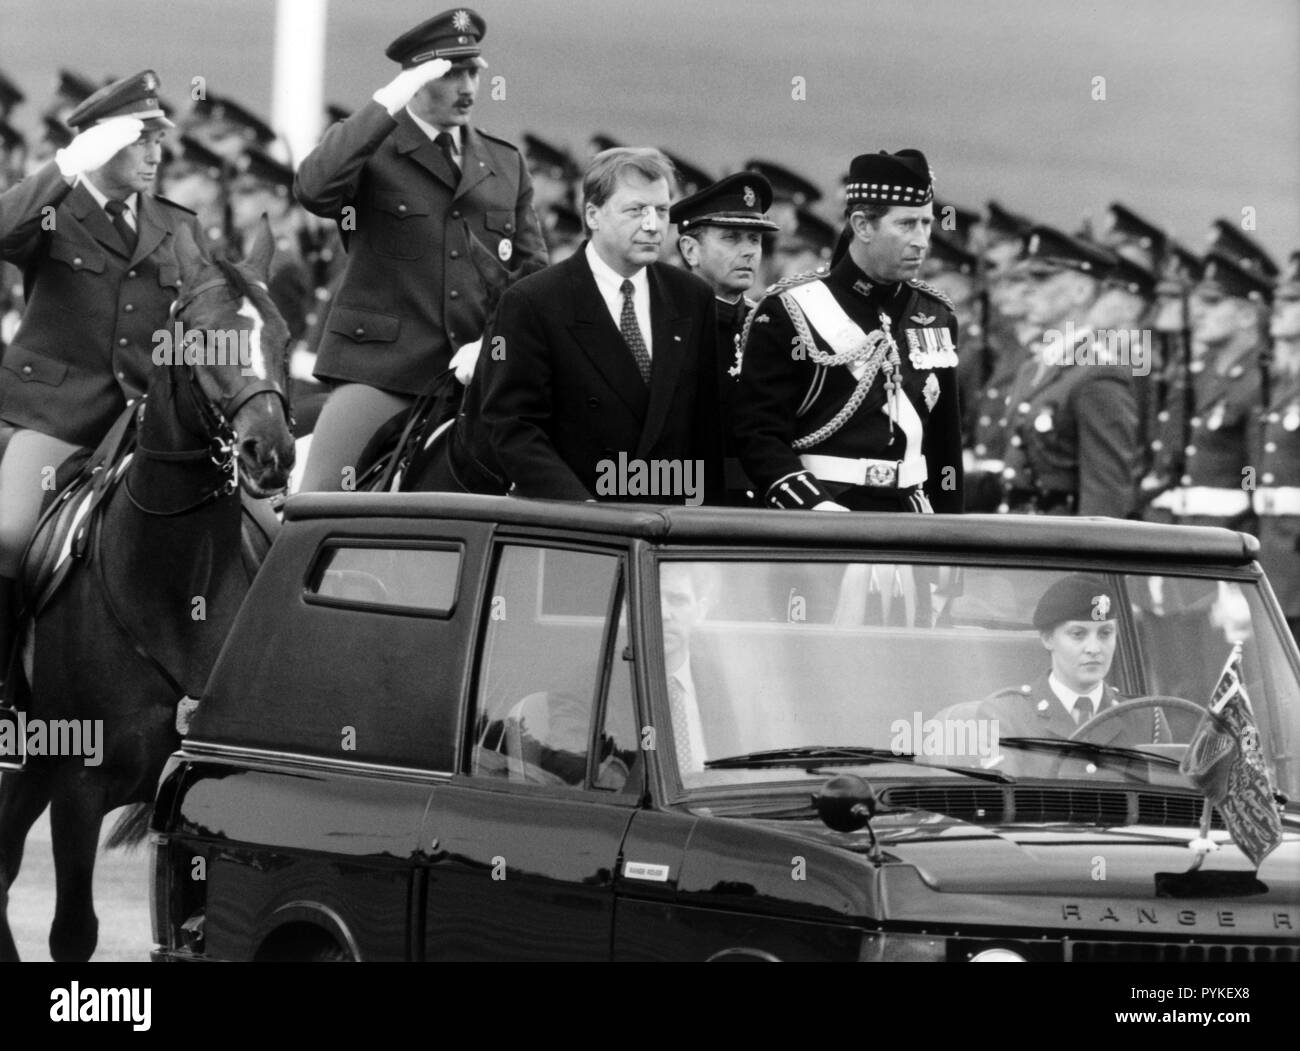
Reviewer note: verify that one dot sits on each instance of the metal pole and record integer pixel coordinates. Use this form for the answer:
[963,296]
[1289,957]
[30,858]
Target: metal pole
[297,96]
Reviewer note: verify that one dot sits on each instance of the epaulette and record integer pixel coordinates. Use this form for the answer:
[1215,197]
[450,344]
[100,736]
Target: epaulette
[173,204]
[929,289]
[496,139]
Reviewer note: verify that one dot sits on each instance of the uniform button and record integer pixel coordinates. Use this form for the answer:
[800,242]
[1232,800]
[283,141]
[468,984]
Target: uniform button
[454,254]
[451,335]
[509,227]
[985,421]
[1002,422]
[593,403]
[1185,480]
[128,308]
[1270,447]
[1190,450]
[1024,406]
[981,449]
[456,214]
[401,207]
[121,375]
[993,392]
[76,260]
[1163,416]
[123,342]
[27,370]
[130,273]
[359,331]
[453,294]
[1268,478]
[1015,440]
[1196,421]
[1157,445]
[1008,472]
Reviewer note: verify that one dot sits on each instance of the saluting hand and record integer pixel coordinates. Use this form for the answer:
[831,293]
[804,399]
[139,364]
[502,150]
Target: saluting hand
[402,88]
[96,146]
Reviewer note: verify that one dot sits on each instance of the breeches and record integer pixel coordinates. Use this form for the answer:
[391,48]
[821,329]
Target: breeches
[26,477]
[349,419]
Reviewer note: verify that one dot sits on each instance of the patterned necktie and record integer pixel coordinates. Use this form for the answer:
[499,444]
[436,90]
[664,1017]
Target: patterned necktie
[681,724]
[444,141]
[1082,710]
[117,212]
[632,332]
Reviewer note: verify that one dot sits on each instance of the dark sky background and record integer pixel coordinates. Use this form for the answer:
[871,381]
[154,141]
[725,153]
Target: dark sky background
[1201,116]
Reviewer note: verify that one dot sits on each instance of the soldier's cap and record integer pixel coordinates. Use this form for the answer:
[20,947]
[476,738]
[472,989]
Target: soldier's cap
[1004,225]
[10,137]
[74,86]
[335,113]
[10,93]
[1045,251]
[1179,269]
[258,167]
[1076,597]
[198,156]
[902,178]
[603,142]
[786,185]
[453,35]
[691,178]
[812,233]
[555,160]
[955,222]
[1224,276]
[217,109]
[1131,276]
[739,201]
[565,221]
[1125,225]
[1228,239]
[57,133]
[134,96]
[951,256]
[1288,285]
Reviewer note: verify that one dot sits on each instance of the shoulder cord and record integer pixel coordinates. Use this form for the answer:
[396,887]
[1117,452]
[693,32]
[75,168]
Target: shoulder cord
[877,350]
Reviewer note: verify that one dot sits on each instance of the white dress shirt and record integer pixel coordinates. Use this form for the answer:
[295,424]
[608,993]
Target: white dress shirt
[1070,699]
[609,282]
[457,148]
[102,199]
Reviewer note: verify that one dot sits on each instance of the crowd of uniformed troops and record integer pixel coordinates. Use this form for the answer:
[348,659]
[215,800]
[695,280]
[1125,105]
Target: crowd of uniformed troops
[1108,370]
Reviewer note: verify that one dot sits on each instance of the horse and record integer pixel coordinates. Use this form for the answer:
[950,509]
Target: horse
[138,621]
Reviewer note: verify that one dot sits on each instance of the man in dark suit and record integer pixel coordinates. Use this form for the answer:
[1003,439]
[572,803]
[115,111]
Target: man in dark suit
[599,380]
[96,249]
[437,217]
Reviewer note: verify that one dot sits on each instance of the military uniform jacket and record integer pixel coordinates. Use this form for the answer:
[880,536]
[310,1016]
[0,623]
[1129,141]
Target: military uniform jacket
[564,394]
[1073,429]
[1278,491]
[1034,710]
[429,254]
[86,339]
[784,395]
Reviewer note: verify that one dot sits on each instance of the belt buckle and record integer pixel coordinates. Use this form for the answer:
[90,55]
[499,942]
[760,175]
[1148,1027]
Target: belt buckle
[881,475]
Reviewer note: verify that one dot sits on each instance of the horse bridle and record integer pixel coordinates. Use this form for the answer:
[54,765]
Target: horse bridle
[218,419]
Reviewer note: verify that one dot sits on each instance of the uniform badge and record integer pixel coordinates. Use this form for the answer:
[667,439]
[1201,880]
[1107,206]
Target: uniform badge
[460,21]
[750,197]
[922,319]
[505,249]
[1043,422]
[1292,418]
[930,391]
[862,288]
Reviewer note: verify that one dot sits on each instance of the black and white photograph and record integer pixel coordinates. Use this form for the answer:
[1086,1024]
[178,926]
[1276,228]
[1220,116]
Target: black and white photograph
[597,481]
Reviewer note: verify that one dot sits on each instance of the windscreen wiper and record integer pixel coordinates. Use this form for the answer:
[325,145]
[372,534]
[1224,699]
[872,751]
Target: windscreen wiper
[810,756]
[1098,751]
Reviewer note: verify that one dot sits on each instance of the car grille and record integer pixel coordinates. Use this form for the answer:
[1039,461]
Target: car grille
[1077,805]
[1172,952]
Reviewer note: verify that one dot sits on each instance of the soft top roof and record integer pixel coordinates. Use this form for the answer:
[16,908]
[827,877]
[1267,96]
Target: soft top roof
[1028,534]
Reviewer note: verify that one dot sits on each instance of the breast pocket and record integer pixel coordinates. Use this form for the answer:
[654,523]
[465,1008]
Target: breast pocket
[75,272]
[401,224]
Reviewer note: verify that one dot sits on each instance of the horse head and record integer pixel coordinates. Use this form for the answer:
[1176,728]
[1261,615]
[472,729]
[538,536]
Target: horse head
[236,346]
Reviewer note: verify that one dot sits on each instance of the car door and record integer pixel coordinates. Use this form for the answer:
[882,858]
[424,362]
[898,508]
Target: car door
[524,842]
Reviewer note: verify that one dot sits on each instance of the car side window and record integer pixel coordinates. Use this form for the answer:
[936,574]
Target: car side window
[540,664]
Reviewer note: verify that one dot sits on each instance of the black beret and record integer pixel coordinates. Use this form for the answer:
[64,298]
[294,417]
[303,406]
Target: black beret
[1045,250]
[738,200]
[453,35]
[786,185]
[902,178]
[1076,597]
[134,96]
[1223,275]
[1229,240]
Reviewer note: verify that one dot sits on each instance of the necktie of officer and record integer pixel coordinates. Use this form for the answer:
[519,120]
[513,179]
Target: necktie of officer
[117,213]
[632,331]
[681,724]
[444,142]
[1082,710]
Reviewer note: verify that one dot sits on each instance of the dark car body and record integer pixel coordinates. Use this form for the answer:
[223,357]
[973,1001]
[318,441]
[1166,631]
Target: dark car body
[364,780]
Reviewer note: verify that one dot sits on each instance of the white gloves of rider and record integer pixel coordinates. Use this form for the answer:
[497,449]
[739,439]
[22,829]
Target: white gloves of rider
[402,88]
[95,146]
[463,361]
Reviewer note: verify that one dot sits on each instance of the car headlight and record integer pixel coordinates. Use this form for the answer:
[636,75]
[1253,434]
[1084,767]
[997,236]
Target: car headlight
[998,954]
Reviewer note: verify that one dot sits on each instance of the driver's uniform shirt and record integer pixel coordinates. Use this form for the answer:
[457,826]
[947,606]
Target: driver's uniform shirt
[1069,699]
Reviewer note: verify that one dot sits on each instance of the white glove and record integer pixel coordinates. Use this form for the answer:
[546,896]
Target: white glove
[402,88]
[464,360]
[829,505]
[95,146]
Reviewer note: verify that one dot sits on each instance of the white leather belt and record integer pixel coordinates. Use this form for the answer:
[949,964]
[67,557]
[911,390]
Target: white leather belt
[885,474]
[1282,500]
[1204,500]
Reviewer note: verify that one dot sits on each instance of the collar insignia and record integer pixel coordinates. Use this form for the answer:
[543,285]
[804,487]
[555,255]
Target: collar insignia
[922,319]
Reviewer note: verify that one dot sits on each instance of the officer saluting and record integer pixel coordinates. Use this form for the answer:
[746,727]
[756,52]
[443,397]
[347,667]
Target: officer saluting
[848,387]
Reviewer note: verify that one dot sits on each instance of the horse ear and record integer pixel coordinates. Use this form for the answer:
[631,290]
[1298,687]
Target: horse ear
[188,254]
[259,254]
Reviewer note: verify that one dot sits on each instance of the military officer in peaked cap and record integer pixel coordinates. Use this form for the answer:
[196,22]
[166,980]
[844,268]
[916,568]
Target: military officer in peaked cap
[848,389]
[1073,415]
[1277,496]
[1131,237]
[438,220]
[226,127]
[100,280]
[1229,240]
[1209,483]
[720,237]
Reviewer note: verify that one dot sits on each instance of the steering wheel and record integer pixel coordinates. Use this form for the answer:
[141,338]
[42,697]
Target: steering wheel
[1150,700]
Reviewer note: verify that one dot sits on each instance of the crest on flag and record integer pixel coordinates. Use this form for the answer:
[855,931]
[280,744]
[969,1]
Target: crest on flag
[1225,762]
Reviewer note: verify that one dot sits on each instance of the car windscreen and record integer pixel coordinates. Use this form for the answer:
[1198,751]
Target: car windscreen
[771,665]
